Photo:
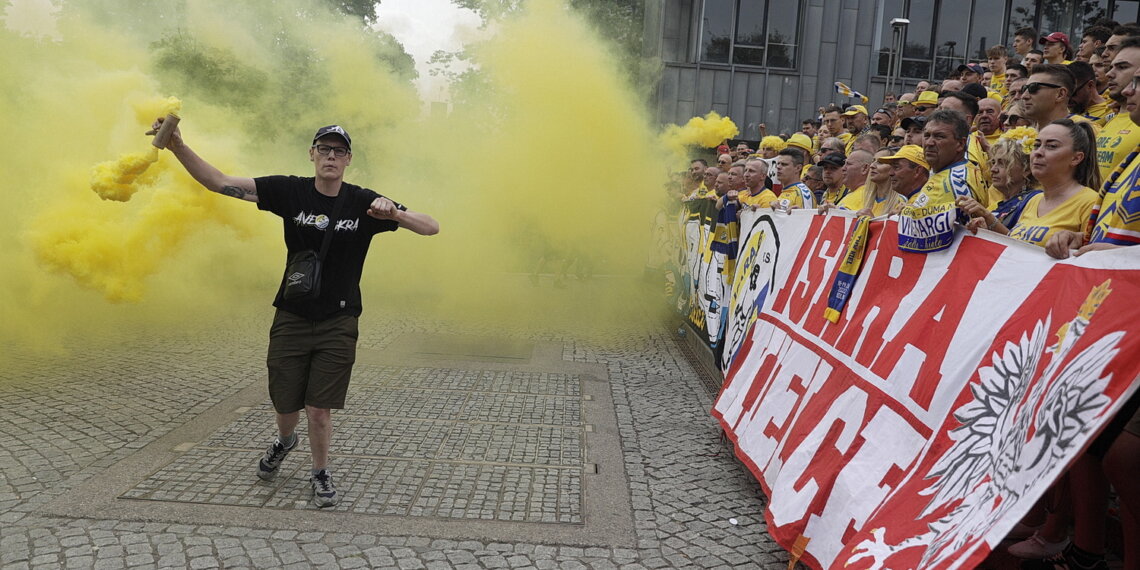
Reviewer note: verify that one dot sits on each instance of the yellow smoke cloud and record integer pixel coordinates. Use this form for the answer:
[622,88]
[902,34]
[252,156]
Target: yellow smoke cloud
[552,173]
[707,132]
[119,179]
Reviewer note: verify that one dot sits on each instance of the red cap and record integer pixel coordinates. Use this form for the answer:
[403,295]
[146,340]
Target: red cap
[1055,37]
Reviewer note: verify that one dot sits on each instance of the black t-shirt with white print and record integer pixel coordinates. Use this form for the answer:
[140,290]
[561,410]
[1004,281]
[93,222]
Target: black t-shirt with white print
[305,214]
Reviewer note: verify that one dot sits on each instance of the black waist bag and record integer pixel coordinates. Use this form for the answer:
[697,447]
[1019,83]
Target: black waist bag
[303,275]
[303,268]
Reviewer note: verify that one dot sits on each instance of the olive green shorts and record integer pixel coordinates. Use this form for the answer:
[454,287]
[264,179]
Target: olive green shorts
[310,362]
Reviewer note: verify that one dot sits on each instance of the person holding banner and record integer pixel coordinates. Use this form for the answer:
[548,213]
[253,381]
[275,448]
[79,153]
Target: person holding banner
[1064,162]
[927,220]
[789,165]
[877,197]
[1114,458]
[909,172]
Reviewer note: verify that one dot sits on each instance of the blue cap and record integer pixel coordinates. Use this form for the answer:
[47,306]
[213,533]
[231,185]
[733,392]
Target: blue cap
[333,130]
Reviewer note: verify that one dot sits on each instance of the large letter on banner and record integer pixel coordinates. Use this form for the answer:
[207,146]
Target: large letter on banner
[953,390]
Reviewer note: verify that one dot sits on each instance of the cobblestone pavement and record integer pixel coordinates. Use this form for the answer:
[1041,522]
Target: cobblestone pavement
[545,452]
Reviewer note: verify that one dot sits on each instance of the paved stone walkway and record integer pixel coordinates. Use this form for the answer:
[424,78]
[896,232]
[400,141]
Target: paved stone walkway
[458,449]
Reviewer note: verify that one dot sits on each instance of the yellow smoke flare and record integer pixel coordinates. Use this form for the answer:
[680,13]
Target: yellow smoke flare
[548,167]
[706,132]
[118,180]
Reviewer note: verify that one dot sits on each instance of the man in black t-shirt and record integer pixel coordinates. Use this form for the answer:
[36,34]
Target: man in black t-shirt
[312,343]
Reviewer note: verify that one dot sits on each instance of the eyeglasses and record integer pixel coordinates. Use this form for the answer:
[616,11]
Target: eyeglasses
[1036,86]
[324,150]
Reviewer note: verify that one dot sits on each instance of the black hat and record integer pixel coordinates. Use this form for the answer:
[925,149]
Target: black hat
[910,121]
[836,159]
[333,130]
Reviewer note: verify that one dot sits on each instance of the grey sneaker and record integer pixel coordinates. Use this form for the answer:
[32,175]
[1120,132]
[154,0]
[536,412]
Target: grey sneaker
[324,493]
[267,467]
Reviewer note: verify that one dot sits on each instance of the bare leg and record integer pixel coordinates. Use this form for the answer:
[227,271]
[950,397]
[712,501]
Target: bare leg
[287,423]
[1121,464]
[1056,527]
[320,434]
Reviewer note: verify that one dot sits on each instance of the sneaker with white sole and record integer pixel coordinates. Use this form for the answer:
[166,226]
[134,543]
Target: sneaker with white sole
[267,467]
[1037,548]
[324,492]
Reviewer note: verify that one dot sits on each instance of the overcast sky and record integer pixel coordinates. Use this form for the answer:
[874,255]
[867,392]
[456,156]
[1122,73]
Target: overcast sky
[424,26]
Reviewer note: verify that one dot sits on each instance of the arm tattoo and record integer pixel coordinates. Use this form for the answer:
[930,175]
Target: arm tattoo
[238,192]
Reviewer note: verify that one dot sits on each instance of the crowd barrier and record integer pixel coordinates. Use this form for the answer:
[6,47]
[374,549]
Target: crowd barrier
[953,390]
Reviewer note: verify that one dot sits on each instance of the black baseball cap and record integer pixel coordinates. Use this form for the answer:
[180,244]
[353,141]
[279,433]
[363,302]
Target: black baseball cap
[836,159]
[909,121]
[333,130]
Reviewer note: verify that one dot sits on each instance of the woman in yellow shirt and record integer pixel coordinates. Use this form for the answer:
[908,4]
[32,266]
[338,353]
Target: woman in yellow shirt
[1064,163]
[877,197]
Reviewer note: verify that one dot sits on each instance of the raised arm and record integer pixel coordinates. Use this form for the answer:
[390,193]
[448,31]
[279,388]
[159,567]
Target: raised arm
[213,179]
[384,209]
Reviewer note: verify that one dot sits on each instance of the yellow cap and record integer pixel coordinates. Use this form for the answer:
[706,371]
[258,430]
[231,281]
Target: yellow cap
[800,140]
[996,97]
[855,110]
[911,152]
[772,142]
[927,97]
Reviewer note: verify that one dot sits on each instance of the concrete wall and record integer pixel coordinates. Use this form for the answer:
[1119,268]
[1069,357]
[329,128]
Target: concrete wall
[836,44]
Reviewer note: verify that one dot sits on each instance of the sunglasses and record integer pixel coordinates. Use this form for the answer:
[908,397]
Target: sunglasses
[896,139]
[1036,86]
[923,108]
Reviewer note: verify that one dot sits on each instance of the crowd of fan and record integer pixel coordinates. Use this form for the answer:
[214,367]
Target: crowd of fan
[1041,145]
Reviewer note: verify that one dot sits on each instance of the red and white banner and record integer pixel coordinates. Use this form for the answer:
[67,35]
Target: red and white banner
[954,389]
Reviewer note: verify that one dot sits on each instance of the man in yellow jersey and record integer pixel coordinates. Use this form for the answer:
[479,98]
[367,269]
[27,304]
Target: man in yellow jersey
[833,190]
[1045,96]
[926,102]
[1056,48]
[926,223]
[694,183]
[967,105]
[856,121]
[855,172]
[1121,134]
[833,123]
[1086,100]
[755,183]
[1092,38]
[909,170]
[905,107]
[789,165]
[988,120]
[735,186]
[996,57]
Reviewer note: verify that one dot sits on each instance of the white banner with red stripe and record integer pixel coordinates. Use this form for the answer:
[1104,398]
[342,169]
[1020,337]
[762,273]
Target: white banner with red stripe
[954,389]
